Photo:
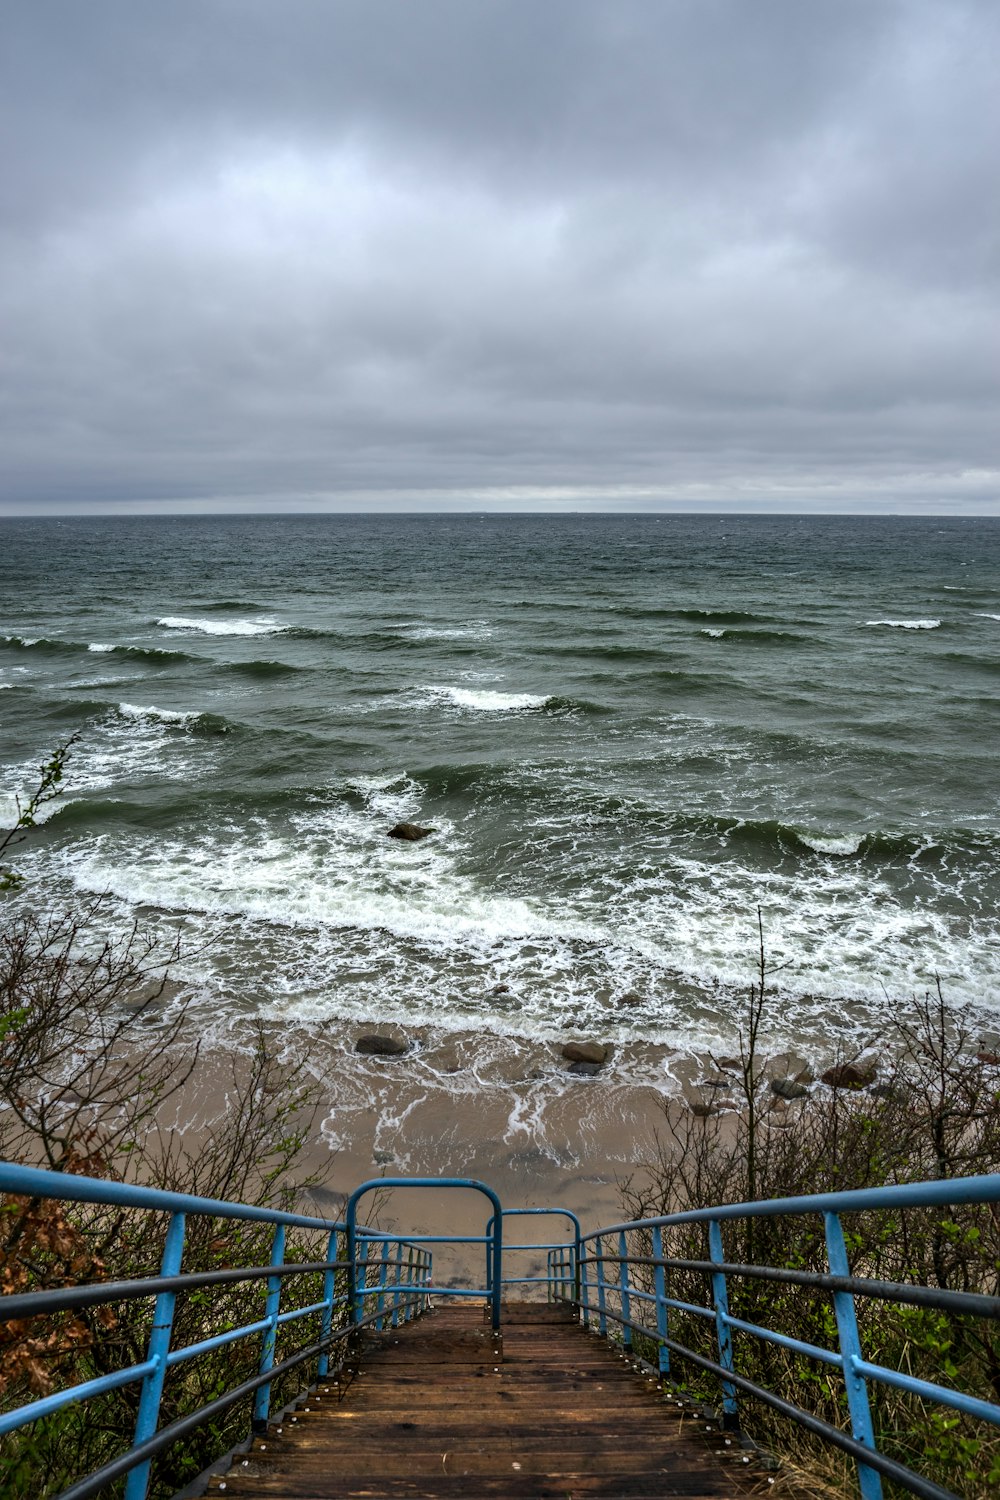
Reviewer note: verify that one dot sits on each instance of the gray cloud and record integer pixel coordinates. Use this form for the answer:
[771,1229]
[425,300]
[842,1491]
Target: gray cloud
[437,253]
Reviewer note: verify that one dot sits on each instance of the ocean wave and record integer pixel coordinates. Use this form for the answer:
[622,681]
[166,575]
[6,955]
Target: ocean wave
[907,624]
[263,626]
[484,700]
[981,615]
[41,643]
[184,719]
[262,668]
[60,647]
[755,637]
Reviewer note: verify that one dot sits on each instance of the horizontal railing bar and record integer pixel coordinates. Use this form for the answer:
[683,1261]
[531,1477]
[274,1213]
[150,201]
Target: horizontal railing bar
[57,1299]
[976,1304]
[928,1391]
[985,1189]
[44,1407]
[33,1182]
[786,1341]
[542,1245]
[432,1239]
[219,1341]
[84,1489]
[300,1312]
[422,1289]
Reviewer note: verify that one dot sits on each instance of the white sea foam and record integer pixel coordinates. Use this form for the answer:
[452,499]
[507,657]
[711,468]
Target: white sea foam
[982,616]
[824,844]
[715,634]
[165,715]
[474,630]
[482,700]
[263,625]
[99,647]
[907,624]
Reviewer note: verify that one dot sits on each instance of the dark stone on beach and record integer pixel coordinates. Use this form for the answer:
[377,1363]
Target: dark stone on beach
[500,989]
[991,1059]
[376,1045]
[788,1088]
[729,1064]
[703,1111]
[849,1075]
[584,1069]
[409,831]
[714,1083]
[586,1052]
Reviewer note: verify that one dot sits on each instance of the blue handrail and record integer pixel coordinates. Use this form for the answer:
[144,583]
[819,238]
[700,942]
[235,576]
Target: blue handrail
[150,1373]
[619,1275]
[493,1239]
[617,1296]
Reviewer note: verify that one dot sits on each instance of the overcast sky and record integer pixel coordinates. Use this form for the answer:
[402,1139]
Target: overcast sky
[513,254]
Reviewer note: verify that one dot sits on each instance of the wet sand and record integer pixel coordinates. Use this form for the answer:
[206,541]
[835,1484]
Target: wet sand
[501,1110]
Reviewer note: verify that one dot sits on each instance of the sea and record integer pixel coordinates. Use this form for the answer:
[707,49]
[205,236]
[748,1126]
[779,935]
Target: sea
[630,735]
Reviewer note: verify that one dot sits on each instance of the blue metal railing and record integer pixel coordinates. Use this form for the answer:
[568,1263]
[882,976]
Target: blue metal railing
[561,1279]
[620,1275]
[492,1239]
[610,1289]
[336,1310]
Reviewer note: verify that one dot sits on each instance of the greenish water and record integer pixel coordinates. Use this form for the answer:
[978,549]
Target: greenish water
[628,733]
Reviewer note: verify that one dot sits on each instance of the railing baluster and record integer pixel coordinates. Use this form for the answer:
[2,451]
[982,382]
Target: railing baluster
[151,1395]
[583,1278]
[660,1288]
[602,1321]
[399,1277]
[329,1293]
[408,1310]
[720,1296]
[623,1290]
[383,1272]
[869,1480]
[262,1400]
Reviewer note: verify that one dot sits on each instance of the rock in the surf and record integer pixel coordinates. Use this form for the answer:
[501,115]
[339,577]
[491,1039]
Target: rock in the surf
[586,1052]
[849,1075]
[411,832]
[376,1044]
[584,1069]
[789,1088]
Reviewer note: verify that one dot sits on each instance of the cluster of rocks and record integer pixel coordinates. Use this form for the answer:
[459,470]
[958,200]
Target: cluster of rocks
[584,1059]
[789,1088]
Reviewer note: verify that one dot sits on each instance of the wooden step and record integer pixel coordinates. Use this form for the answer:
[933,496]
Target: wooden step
[443,1407]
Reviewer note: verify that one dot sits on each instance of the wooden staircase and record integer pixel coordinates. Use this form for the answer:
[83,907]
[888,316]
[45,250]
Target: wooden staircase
[443,1407]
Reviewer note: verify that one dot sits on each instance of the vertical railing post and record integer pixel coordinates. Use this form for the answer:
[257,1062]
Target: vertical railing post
[583,1279]
[383,1272]
[660,1289]
[159,1346]
[329,1293]
[720,1297]
[862,1431]
[623,1290]
[398,1277]
[262,1400]
[495,1283]
[408,1311]
[602,1320]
